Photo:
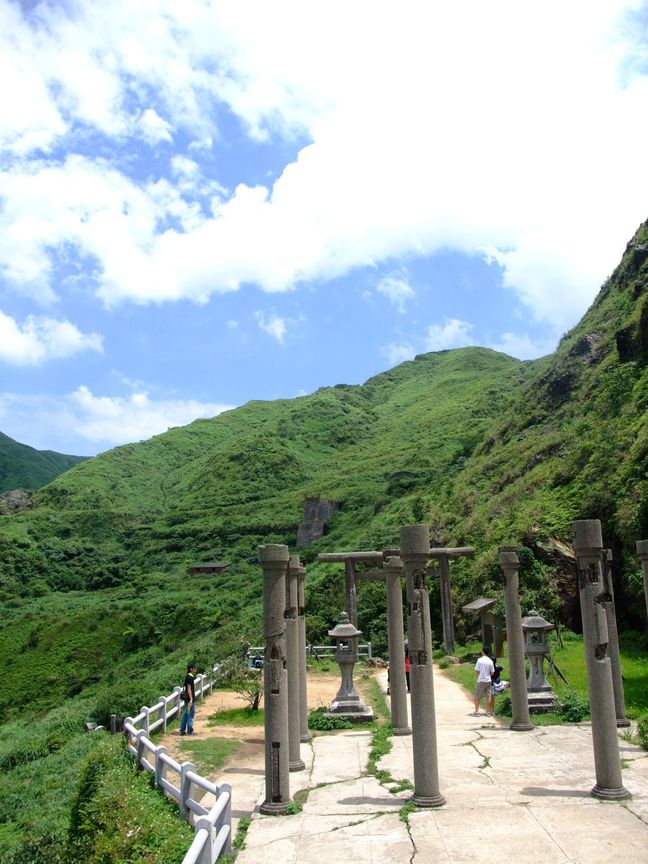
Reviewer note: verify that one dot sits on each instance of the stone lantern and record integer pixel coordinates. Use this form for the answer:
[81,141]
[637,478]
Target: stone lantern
[347,704]
[536,647]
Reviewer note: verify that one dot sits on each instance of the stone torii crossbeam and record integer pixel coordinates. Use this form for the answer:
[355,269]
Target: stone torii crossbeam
[350,559]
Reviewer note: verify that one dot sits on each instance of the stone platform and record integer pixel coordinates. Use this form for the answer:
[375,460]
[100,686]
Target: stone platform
[518,796]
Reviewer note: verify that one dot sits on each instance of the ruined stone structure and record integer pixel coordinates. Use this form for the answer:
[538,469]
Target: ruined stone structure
[415,552]
[317,514]
[588,545]
[304,734]
[509,562]
[613,636]
[349,559]
[443,557]
[274,562]
[293,663]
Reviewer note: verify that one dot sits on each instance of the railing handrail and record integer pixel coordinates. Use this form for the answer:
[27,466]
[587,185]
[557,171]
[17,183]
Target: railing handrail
[213,827]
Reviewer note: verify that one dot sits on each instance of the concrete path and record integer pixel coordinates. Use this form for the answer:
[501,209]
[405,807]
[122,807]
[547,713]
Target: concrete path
[511,796]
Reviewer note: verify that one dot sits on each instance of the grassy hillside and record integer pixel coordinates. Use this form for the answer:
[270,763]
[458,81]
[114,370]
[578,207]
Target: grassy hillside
[22,467]
[486,449]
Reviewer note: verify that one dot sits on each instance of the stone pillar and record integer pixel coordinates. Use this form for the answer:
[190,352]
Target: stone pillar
[613,634]
[509,563]
[642,552]
[351,592]
[304,734]
[588,546]
[292,650]
[415,548]
[446,605]
[274,562]
[397,685]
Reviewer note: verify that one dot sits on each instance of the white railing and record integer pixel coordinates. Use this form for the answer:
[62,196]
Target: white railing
[315,651]
[213,824]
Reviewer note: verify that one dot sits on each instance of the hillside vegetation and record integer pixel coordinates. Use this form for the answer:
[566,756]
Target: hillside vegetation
[100,615]
[23,467]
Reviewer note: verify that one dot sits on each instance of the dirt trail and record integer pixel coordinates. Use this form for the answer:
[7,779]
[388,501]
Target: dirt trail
[245,768]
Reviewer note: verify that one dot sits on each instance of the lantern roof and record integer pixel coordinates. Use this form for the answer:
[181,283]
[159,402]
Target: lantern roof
[345,629]
[534,621]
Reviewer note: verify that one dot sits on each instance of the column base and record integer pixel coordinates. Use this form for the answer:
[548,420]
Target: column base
[610,794]
[521,727]
[428,801]
[274,808]
[404,730]
[297,765]
[305,738]
[623,723]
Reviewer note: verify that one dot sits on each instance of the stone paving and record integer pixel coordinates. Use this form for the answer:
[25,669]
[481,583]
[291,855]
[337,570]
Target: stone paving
[522,796]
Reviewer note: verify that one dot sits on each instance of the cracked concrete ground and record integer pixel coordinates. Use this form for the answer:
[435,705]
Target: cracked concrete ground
[518,795]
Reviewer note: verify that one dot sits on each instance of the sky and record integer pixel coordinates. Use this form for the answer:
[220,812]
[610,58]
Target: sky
[203,203]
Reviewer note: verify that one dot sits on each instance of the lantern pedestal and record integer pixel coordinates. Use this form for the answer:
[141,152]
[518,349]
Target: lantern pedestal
[347,704]
[541,697]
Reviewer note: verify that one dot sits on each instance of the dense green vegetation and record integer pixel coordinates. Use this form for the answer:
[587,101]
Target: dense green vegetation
[23,467]
[99,615]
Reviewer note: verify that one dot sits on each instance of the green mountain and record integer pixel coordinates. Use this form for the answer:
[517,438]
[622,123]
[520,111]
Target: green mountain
[23,467]
[100,615]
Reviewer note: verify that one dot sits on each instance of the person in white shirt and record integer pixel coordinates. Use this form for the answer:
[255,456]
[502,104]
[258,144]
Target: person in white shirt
[484,668]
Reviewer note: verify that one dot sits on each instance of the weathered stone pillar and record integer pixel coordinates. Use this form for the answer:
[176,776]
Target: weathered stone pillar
[415,549]
[642,552]
[292,649]
[509,563]
[446,605]
[588,545]
[613,634]
[304,734]
[274,562]
[397,685]
[351,591]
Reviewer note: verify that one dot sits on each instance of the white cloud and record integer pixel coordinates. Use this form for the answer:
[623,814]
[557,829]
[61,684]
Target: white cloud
[467,139]
[522,346]
[453,333]
[273,324]
[40,339]
[232,324]
[396,352]
[154,128]
[83,422]
[396,289]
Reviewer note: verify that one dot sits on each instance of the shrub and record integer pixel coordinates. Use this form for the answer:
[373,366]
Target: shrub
[505,707]
[572,707]
[642,731]
[317,719]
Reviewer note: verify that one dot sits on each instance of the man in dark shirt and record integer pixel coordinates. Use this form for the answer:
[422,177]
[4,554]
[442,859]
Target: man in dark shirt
[186,723]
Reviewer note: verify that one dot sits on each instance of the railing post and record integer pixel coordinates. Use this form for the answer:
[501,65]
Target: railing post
[147,718]
[163,699]
[160,767]
[369,655]
[185,790]
[226,817]
[113,723]
[206,855]
[141,733]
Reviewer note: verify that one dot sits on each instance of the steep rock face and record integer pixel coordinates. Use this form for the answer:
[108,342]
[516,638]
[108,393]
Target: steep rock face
[15,501]
[317,515]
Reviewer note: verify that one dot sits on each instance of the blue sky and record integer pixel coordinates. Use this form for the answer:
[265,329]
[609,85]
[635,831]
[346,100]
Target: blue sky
[203,203]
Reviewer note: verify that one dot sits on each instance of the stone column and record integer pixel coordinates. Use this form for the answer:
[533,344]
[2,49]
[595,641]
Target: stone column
[613,634]
[588,546]
[509,563]
[397,685]
[642,552]
[295,762]
[351,591]
[304,734]
[446,605]
[415,548]
[274,562]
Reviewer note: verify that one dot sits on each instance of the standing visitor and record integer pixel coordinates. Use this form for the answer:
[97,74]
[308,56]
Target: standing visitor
[407,667]
[484,668]
[189,696]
